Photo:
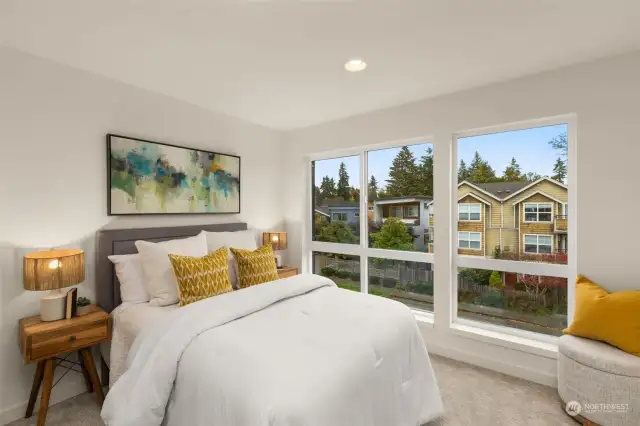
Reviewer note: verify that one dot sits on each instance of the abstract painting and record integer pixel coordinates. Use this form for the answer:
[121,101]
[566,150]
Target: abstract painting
[147,177]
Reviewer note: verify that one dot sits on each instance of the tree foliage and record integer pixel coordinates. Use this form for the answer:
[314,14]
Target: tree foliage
[327,188]
[343,189]
[373,188]
[512,173]
[394,235]
[425,174]
[559,170]
[463,172]
[495,281]
[561,144]
[337,232]
[402,175]
[480,171]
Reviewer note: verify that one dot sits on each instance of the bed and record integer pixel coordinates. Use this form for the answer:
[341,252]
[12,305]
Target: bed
[293,352]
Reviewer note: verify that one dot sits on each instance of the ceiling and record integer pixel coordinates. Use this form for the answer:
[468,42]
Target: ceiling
[280,63]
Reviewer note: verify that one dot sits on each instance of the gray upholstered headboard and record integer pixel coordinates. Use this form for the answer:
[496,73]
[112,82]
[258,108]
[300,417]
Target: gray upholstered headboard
[121,241]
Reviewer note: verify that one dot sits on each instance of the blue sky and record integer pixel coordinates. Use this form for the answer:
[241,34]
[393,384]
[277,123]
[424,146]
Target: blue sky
[529,147]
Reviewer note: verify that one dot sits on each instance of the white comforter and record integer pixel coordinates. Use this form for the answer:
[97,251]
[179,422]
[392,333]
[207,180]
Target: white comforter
[294,352]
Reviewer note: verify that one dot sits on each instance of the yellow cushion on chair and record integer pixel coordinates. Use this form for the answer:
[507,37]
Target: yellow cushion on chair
[201,277]
[255,267]
[609,317]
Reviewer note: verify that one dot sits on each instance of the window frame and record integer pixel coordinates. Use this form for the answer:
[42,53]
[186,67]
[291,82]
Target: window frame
[339,213]
[568,271]
[404,211]
[524,243]
[444,316]
[537,204]
[470,240]
[469,212]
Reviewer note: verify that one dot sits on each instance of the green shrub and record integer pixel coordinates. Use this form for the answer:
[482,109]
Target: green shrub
[355,276]
[495,281]
[422,287]
[389,282]
[520,286]
[478,276]
[374,280]
[327,271]
[342,274]
[494,300]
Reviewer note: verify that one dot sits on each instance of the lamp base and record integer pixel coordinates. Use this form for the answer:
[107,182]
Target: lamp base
[53,305]
[278,260]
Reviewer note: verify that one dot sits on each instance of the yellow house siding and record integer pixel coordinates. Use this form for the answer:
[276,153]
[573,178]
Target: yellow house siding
[493,240]
[471,226]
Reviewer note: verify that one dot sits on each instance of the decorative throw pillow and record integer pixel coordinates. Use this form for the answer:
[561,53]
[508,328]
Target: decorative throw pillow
[201,277]
[245,240]
[255,267]
[609,317]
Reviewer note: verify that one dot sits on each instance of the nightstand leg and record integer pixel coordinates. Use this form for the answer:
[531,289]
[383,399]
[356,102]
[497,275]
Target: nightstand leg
[93,374]
[85,373]
[35,388]
[47,383]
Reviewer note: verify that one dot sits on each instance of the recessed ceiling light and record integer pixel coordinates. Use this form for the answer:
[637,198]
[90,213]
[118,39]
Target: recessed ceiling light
[355,65]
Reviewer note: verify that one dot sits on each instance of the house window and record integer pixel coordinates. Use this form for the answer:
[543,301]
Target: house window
[469,212]
[538,212]
[469,240]
[538,244]
[370,208]
[396,212]
[339,216]
[411,211]
[356,214]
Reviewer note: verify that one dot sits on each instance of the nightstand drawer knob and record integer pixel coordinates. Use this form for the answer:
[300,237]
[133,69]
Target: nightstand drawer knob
[72,338]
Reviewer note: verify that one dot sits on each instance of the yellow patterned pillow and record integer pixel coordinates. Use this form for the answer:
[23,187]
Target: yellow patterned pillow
[255,267]
[201,277]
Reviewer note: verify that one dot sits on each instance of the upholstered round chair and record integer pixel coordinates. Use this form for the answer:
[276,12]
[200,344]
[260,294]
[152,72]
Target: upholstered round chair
[602,379]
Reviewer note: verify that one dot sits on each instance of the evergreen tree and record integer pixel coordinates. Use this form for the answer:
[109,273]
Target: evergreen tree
[327,188]
[425,174]
[463,171]
[343,183]
[317,197]
[512,173]
[373,188]
[354,194]
[402,176]
[559,171]
[382,193]
[480,171]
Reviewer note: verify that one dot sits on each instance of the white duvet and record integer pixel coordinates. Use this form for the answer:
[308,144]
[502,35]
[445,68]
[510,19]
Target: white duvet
[293,352]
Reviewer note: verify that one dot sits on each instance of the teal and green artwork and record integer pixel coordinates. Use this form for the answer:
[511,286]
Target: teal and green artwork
[154,178]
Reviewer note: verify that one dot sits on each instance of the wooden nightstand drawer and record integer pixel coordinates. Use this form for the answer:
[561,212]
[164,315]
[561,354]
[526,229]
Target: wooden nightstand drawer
[41,340]
[71,339]
[287,271]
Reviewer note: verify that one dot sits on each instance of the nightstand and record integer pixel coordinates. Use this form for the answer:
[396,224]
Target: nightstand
[287,271]
[42,342]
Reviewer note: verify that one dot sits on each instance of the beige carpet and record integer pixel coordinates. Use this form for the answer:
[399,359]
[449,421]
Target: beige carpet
[472,396]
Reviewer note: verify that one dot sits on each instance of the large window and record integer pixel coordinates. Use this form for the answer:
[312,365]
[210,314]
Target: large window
[513,267]
[538,212]
[378,241]
[469,240]
[469,212]
[538,244]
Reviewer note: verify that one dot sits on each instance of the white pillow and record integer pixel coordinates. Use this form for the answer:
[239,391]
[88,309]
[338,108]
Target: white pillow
[129,271]
[159,279]
[239,239]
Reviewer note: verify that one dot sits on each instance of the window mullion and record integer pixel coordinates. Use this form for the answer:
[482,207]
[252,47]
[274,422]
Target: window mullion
[364,221]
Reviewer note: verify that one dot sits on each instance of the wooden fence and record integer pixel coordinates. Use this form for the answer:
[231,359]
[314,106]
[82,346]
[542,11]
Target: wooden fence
[404,272]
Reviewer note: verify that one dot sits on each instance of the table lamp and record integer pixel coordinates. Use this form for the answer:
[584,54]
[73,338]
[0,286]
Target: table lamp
[278,241]
[53,270]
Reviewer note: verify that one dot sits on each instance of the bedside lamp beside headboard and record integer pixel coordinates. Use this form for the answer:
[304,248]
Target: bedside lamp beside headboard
[278,241]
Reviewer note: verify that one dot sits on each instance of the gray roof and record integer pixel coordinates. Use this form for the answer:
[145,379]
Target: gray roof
[322,209]
[418,197]
[343,204]
[502,189]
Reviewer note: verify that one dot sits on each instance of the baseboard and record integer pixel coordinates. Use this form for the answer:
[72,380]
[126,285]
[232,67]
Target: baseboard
[519,371]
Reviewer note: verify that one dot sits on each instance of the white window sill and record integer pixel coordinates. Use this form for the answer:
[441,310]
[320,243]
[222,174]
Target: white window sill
[424,317]
[542,345]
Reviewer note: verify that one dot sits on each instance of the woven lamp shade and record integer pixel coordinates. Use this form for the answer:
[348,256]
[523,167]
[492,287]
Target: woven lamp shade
[53,269]
[278,240]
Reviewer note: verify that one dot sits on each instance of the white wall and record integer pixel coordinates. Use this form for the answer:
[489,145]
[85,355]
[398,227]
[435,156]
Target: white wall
[53,122]
[605,96]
